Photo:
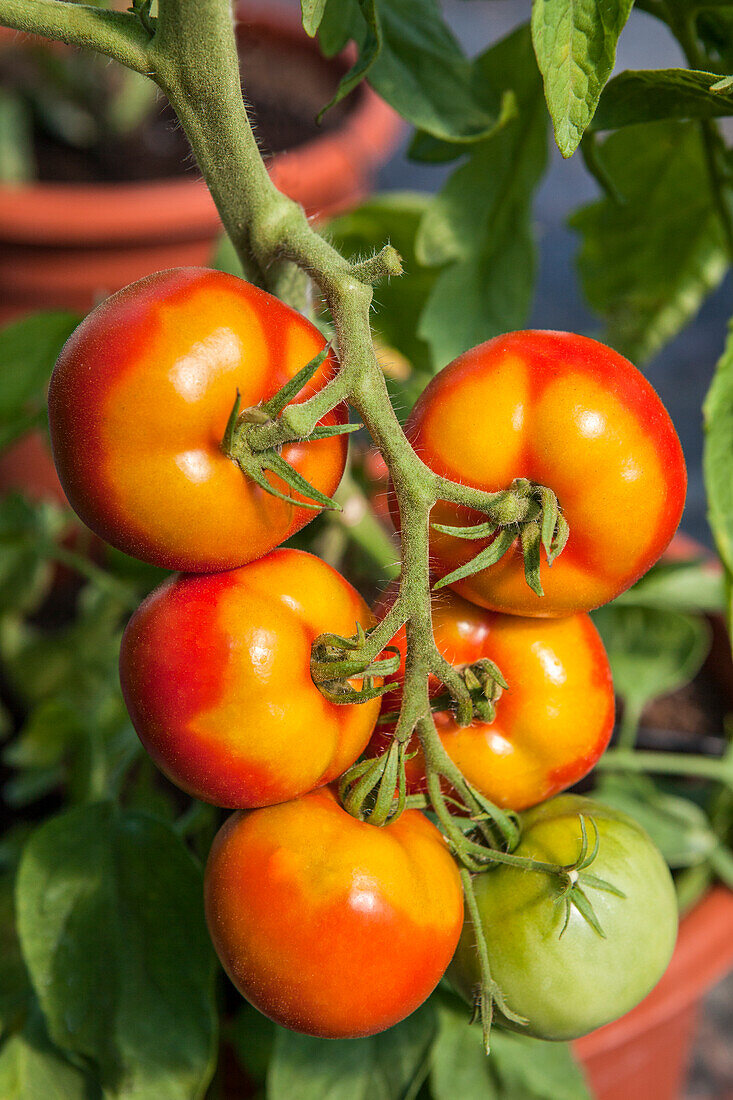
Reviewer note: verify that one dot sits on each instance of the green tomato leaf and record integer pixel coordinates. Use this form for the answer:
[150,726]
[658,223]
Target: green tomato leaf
[458,1062]
[15,989]
[518,1066]
[369,36]
[678,827]
[715,30]
[575,44]
[378,1068]
[717,458]
[413,61]
[479,224]
[252,1036]
[648,95]
[77,730]
[28,350]
[28,534]
[648,261]
[31,1068]
[341,21]
[652,652]
[111,924]
[16,139]
[540,1070]
[312,13]
[678,586]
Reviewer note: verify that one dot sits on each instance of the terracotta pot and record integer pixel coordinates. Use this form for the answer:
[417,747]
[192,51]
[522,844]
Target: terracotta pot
[68,245]
[645,1054]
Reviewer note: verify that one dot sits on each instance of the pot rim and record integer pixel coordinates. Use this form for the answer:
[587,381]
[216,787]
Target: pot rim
[95,213]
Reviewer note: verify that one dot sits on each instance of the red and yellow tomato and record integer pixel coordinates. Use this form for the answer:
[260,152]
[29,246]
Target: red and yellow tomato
[329,925]
[551,725]
[570,414]
[215,671]
[139,403]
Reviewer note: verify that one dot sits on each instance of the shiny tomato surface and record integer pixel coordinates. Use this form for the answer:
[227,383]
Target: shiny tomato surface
[571,414]
[551,725]
[138,405]
[215,671]
[329,925]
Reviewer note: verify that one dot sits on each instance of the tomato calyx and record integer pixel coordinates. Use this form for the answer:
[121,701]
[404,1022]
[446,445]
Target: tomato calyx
[375,790]
[527,512]
[484,683]
[254,436]
[575,877]
[337,661]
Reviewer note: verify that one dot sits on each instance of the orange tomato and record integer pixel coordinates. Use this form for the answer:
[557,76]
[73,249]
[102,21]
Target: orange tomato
[571,414]
[138,405]
[215,671]
[551,725]
[329,925]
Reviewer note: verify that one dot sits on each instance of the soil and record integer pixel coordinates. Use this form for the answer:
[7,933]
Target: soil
[691,718]
[287,84]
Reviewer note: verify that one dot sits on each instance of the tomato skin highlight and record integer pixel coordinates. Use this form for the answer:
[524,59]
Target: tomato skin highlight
[138,404]
[567,986]
[215,672]
[551,725]
[569,413]
[328,925]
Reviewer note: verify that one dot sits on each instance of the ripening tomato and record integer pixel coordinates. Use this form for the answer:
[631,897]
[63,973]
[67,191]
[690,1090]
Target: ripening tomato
[551,725]
[567,985]
[215,671]
[329,925]
[139,403]
[571,414]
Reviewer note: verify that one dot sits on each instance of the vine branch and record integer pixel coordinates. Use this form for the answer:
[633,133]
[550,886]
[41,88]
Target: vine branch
[115,34]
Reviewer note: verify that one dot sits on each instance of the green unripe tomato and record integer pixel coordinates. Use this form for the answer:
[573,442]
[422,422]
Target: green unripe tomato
[566,986]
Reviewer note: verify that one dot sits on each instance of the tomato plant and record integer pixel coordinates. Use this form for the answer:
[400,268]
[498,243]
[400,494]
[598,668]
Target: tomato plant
[198,421]
[139,404]
[215,671]
[327,924]
[568,978]
[571,414]
[552,722]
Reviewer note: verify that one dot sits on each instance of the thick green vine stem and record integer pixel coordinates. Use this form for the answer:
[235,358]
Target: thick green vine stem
[189,50]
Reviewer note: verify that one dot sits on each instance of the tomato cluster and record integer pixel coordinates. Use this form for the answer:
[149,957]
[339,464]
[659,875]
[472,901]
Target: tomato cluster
[328,924]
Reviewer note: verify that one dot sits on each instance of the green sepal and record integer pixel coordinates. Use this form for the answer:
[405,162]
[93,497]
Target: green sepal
[336,692]
[559,539]
[274,462]
[550,515]
[327,431]
[228,440]
[531,539]
[487,557]
[275,405]
[580,900]
[584,859]
[485,668]
[255,472]
[601,884]
[476,531]
[325,671]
